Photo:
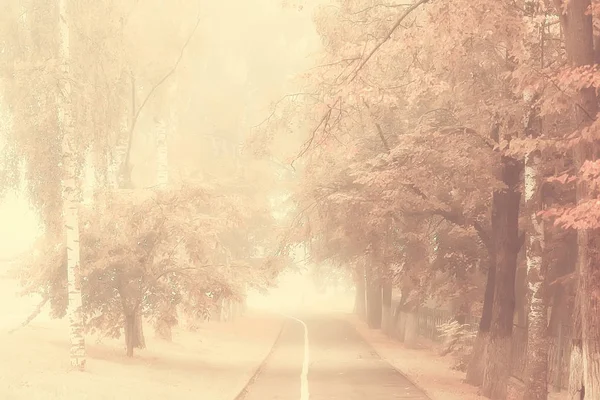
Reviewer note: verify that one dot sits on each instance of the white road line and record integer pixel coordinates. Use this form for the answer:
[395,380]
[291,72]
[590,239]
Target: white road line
[304,393]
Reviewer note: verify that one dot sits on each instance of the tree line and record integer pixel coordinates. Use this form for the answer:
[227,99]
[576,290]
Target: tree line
[451,154]
[84,85]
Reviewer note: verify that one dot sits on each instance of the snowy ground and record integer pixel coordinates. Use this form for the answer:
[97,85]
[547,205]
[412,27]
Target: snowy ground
[426,368]
[213,364]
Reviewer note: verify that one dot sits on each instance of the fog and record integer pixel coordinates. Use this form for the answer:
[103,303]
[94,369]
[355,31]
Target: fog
[297,294]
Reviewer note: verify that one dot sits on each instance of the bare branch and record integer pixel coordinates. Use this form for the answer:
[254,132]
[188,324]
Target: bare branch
[136,113]
[323,122]
[332,64]
[386,145]
[33,315]
[378,6]
[292,95]
[456,218]
[387,37]
[379,130]
[326,117]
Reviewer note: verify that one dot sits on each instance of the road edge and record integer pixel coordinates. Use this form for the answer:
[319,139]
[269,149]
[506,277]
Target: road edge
[352,322]
[246,388]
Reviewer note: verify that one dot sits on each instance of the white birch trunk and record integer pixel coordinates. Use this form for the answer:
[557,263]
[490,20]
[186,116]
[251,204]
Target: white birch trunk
[70,196]
[537,350]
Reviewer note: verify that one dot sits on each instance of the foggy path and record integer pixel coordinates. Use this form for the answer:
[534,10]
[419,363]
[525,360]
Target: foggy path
[341,366]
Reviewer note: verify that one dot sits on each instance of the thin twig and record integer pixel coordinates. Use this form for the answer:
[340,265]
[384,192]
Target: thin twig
[387,37]
[386,145]
[33,315]
[155,87]
[293,95]
[323,122]
[377,6]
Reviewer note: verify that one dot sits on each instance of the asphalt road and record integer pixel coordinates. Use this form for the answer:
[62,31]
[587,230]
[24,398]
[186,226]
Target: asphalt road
[340,365]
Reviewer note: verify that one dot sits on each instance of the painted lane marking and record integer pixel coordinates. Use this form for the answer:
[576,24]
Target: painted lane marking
[304,393]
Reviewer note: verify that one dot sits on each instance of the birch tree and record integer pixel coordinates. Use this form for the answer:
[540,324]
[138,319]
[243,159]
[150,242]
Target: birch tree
[71,192]
[537,344]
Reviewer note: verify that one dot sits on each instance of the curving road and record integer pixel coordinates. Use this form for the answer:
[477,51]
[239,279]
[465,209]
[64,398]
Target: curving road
[340,364]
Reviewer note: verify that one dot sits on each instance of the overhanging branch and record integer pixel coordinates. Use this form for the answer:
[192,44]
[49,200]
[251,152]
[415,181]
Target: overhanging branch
[387,37]
[324,122]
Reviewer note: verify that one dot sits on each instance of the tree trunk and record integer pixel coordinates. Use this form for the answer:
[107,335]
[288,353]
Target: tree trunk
[162,156]
[557,315]
[386,319]
[576,388]
[230,304]
[411,328]
[398,318]
[401,326]
[70,195]
[134,332]
[235,312]
[476,367]
[521,293]
[223,309]
[579,44]
[374,298]
[477,363]
[360,294]
[394,324]
[536,384]
[589,284]
[140,340]
[129,337]
[505,227]
[576,385]
[163,329]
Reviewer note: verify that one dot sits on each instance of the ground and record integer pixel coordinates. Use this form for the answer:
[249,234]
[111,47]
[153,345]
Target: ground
[322,350]
[424,367]
[322,355]
[214,363]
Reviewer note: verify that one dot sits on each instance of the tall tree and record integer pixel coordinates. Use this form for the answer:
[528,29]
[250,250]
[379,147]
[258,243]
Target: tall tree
[71,190]
[577,22]
[505,232]
[537,263]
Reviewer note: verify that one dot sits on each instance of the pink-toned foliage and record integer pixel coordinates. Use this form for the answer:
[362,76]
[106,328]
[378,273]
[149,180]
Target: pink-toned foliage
[179,247]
